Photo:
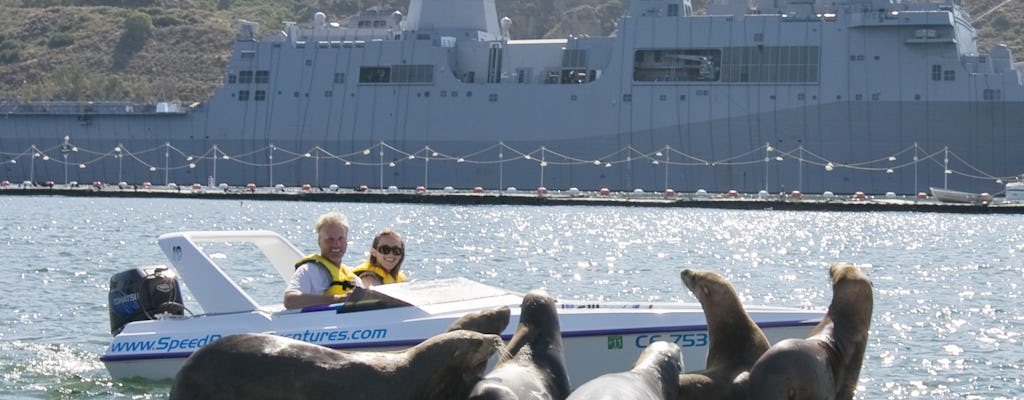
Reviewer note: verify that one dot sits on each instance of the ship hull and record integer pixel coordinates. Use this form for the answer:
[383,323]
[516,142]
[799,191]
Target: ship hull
[719,155]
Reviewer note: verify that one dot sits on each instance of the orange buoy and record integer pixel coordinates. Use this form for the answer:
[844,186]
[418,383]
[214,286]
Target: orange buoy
[922,195]
[542,190]
[859,195]
[795,194]
[251,187]
[604,191]
[670,192]
[306,187]
[478,190]
[420,189]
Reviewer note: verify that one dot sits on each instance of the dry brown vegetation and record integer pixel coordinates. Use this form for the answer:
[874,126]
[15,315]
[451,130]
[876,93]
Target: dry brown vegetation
[81,50]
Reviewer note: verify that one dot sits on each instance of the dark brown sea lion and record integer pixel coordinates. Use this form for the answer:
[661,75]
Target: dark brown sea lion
[653,377]
[260,366]
[827,364]
[492,321]
[734,341]
[533,367]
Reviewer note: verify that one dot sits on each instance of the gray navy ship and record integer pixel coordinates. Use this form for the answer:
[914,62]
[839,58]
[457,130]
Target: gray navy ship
[842,96]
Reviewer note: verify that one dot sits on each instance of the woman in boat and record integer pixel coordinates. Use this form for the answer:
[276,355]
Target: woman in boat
[385,263]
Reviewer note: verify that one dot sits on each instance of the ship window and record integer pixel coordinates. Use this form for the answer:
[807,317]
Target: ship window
[677,65]
[936,72]
[682,97]
[758,37]
[328,93]
[876,96]
[949,75]
[232,78]
[858,97]
[262,76]
[769,64]
[378,24]
[703,92]
[260,95]
[426,94]
[626,98]
[455,94]
[244,76]
[673,10]
[444,93]
[992,94]
[493,97]
[309,62]
[800,96]
[917,97]
[469,93]
[374,75]
[412,73]
[296,94]
[339,77]
[572,98]
[663,97]
[243,95]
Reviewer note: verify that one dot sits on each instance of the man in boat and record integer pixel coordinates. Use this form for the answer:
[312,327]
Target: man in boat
[322,278]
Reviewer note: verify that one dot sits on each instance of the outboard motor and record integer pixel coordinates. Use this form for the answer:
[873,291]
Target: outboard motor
[141,294]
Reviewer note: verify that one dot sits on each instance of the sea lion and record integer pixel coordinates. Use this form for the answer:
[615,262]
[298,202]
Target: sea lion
[262,366]
[492,321]
[734,341]
[827,364]
[653,377]
[533,365]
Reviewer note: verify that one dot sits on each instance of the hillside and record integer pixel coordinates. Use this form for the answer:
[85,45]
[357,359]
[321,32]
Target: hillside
[149,50]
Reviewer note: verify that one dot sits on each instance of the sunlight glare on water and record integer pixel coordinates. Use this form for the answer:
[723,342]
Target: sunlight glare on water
[946,322]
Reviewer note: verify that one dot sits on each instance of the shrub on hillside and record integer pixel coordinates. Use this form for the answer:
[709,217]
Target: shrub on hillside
[60,39]
[137,28]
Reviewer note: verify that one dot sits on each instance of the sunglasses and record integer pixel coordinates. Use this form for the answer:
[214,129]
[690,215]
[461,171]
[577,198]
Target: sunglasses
[390,250]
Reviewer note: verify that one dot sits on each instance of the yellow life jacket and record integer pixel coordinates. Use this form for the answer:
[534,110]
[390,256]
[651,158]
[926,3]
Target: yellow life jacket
[380,272]
[342,278]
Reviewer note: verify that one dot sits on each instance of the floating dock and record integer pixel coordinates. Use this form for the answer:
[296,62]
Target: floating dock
[540,197]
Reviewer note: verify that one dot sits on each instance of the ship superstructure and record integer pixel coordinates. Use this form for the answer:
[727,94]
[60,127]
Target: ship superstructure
[844,96]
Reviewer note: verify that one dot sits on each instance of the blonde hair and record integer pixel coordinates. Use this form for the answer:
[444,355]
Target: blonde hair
[376,241]
[331,218]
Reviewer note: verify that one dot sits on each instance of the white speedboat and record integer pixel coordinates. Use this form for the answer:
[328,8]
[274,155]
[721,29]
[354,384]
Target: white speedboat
[956,196]
[153,337]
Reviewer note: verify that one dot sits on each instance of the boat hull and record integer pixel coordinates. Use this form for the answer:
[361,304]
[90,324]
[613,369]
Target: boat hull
[588,353]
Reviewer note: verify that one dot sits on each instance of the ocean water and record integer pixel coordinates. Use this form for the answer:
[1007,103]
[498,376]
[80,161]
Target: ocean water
[948,288]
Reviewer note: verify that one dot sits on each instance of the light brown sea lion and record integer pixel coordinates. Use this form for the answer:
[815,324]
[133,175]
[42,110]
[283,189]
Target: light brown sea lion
[734,341]
[533,367]
[261,366]
[653,377]
[826,365]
